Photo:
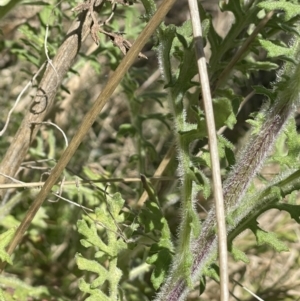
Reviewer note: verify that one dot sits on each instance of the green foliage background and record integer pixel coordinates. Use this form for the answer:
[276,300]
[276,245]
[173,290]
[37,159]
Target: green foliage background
[119,251]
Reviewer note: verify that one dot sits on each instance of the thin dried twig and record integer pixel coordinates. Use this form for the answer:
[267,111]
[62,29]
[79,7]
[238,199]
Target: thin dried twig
[56,126]
[12,179]
[152,79]
[159,171]
[88,121]
[44,98]
[249,291]
[19,97]
[212,137]
[47,56]
[119,41]
[78,182]
[71,202]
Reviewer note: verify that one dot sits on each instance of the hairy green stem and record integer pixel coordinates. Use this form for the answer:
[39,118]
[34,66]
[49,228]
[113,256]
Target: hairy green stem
[189,225]
[204,249]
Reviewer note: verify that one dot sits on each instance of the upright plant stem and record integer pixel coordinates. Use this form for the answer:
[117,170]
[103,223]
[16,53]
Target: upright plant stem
[248,164]
[212,138]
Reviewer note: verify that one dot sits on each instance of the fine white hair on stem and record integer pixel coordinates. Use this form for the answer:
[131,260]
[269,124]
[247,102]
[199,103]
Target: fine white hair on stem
[12,178]
[249,291]
[19,97]
[46,50]
[48,58]
[71,202]
[49,61]
[55,125]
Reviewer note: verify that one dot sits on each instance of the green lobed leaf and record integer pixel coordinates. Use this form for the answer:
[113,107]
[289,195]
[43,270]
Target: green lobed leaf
[9,221]
[203,183]
[223,145]
[223,112]
[256,123]
[95,294]
[45,15]
[275,50]
[239,255]
[233,6]
[293,210]
[292,198]
[126,129]
[153,95]
[161,259]
[5,239]
[202,285]
[269,238]
[264,91]
[92,237]
[246,66]
[151,218]
[188,69]
[162,251]
[291,10]
[23,291]
[213,272]
[150,7]
[287,147]
[108,250]
[2,298]
[157,116]
[92,266]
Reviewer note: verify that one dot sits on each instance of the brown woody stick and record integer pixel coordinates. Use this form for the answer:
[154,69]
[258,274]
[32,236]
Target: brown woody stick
[89,119]
[44,98]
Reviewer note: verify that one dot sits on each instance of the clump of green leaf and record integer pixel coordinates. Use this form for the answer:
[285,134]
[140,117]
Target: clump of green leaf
[156,226]
[128,254]
[15,289]
[241,213]
[178,65]
[5,238]
[102,233]
[112,234]
[31,46]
